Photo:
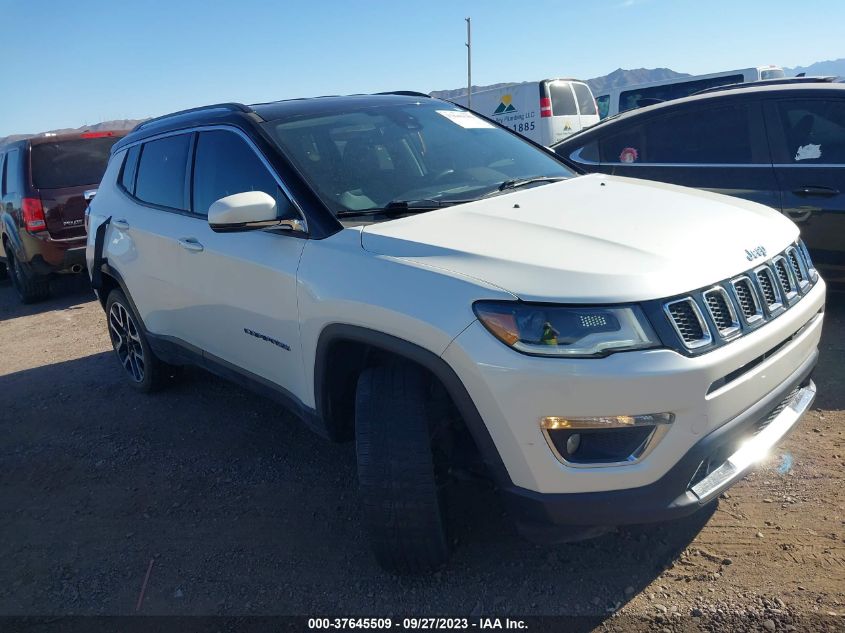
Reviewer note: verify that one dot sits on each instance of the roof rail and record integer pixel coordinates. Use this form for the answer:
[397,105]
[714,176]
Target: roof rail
[769,82]
[234,107]
[405,93]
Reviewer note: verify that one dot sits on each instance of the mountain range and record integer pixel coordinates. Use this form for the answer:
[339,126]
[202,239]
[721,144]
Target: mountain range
[617,79]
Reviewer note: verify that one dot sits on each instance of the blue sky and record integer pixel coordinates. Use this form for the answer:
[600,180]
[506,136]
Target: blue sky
[70,63]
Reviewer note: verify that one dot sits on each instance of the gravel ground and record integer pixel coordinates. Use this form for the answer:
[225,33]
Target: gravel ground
[244,512]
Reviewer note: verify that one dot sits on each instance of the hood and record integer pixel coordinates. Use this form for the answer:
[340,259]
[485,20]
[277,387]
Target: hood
[590,239]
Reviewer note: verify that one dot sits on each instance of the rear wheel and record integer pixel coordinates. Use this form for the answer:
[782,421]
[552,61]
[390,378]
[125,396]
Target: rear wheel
[399,481]
[145,372]
[29,286]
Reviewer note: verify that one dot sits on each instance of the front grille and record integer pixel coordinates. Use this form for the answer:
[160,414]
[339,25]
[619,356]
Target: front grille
[721,310]
[792,253]
[758,295]
[747,297]
[767,287]
[781,267]
[688,322]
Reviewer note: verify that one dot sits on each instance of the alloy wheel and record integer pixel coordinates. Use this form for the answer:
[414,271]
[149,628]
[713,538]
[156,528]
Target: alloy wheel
[126,341]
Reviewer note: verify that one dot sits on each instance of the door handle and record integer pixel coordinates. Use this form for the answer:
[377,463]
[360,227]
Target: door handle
[120,224]
[190,244]
[815,191]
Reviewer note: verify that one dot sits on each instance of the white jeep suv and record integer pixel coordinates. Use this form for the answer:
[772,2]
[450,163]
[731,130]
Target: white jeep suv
[400,271]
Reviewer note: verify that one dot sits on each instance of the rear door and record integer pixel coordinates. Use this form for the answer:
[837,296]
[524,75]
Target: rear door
[61,172]
[564,113]
[10,187]
[587,108]
[722,148]
[808,141]
[145,224]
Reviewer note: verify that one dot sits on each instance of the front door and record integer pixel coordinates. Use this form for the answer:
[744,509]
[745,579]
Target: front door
[241,306]
[808,143]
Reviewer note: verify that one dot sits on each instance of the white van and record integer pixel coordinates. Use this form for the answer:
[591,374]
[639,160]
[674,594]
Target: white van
[619,100]
[544,111]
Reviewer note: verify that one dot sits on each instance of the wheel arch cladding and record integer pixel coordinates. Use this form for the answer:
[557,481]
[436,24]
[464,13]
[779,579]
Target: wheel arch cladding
[332,365]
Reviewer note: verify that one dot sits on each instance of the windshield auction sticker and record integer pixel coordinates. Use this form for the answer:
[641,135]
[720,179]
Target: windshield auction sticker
[464,118]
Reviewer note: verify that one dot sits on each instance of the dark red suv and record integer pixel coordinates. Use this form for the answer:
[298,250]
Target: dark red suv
[45,185]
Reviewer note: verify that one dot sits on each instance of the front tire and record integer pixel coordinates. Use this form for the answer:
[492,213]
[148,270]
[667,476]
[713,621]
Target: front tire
[403,510]
[30,287]
[145,372]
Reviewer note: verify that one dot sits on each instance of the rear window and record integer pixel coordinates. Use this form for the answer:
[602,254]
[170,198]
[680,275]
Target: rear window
[70,163]
[161,172]
[776,73]
[586,104]
[563,103]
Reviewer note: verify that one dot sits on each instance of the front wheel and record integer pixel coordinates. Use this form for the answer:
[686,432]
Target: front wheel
[397,477]
[146,373]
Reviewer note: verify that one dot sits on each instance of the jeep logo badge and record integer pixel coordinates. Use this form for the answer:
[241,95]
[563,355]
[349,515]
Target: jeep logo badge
[754,253]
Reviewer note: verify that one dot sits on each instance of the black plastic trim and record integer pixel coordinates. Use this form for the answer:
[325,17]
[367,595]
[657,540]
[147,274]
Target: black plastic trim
[339,332]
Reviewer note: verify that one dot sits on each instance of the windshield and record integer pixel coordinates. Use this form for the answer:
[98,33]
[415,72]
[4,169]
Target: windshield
[70,163]
[366,157]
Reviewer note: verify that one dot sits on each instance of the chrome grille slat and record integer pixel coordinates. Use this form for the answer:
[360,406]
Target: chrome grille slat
[688,322]
[765,279]
[748,300]
[721,311]
[788,285]
[742,303]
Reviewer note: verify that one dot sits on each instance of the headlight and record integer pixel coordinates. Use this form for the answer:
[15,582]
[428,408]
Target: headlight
[549,330]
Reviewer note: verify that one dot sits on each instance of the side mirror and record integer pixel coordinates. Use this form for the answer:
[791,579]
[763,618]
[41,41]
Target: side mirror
[243,212]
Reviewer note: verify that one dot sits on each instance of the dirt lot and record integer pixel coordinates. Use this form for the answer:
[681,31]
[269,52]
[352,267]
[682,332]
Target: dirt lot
[244,512]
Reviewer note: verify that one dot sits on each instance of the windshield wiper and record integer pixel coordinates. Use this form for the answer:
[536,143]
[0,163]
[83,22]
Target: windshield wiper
[521,182]
[399,207]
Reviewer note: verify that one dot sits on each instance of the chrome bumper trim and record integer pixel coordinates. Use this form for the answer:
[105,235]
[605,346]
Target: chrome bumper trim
[755,448]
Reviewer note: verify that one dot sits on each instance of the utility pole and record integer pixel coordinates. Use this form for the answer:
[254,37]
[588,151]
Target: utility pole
[469,63]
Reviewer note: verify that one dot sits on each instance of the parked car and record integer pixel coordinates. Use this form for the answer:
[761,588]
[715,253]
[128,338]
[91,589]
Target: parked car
[45,185]
[780,145]
[544,111]
[397,270]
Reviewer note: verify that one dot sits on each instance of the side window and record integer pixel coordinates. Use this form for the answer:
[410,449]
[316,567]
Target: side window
[161,172]
[225,165]
[130,168]
[603,102]
[814,130]
[11,172]
[625,146]
[715,136]
[2,176]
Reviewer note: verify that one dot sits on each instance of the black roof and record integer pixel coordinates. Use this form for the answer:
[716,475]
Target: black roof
[795,90]
[240,115]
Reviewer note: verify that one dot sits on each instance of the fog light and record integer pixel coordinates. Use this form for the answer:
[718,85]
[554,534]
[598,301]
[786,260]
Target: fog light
[603,440]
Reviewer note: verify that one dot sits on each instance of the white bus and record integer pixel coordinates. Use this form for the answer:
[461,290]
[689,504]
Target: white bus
[629,97]
[544,111]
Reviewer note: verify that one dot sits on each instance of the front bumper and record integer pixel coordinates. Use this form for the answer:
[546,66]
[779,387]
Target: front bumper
[512,392]
[711,466]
